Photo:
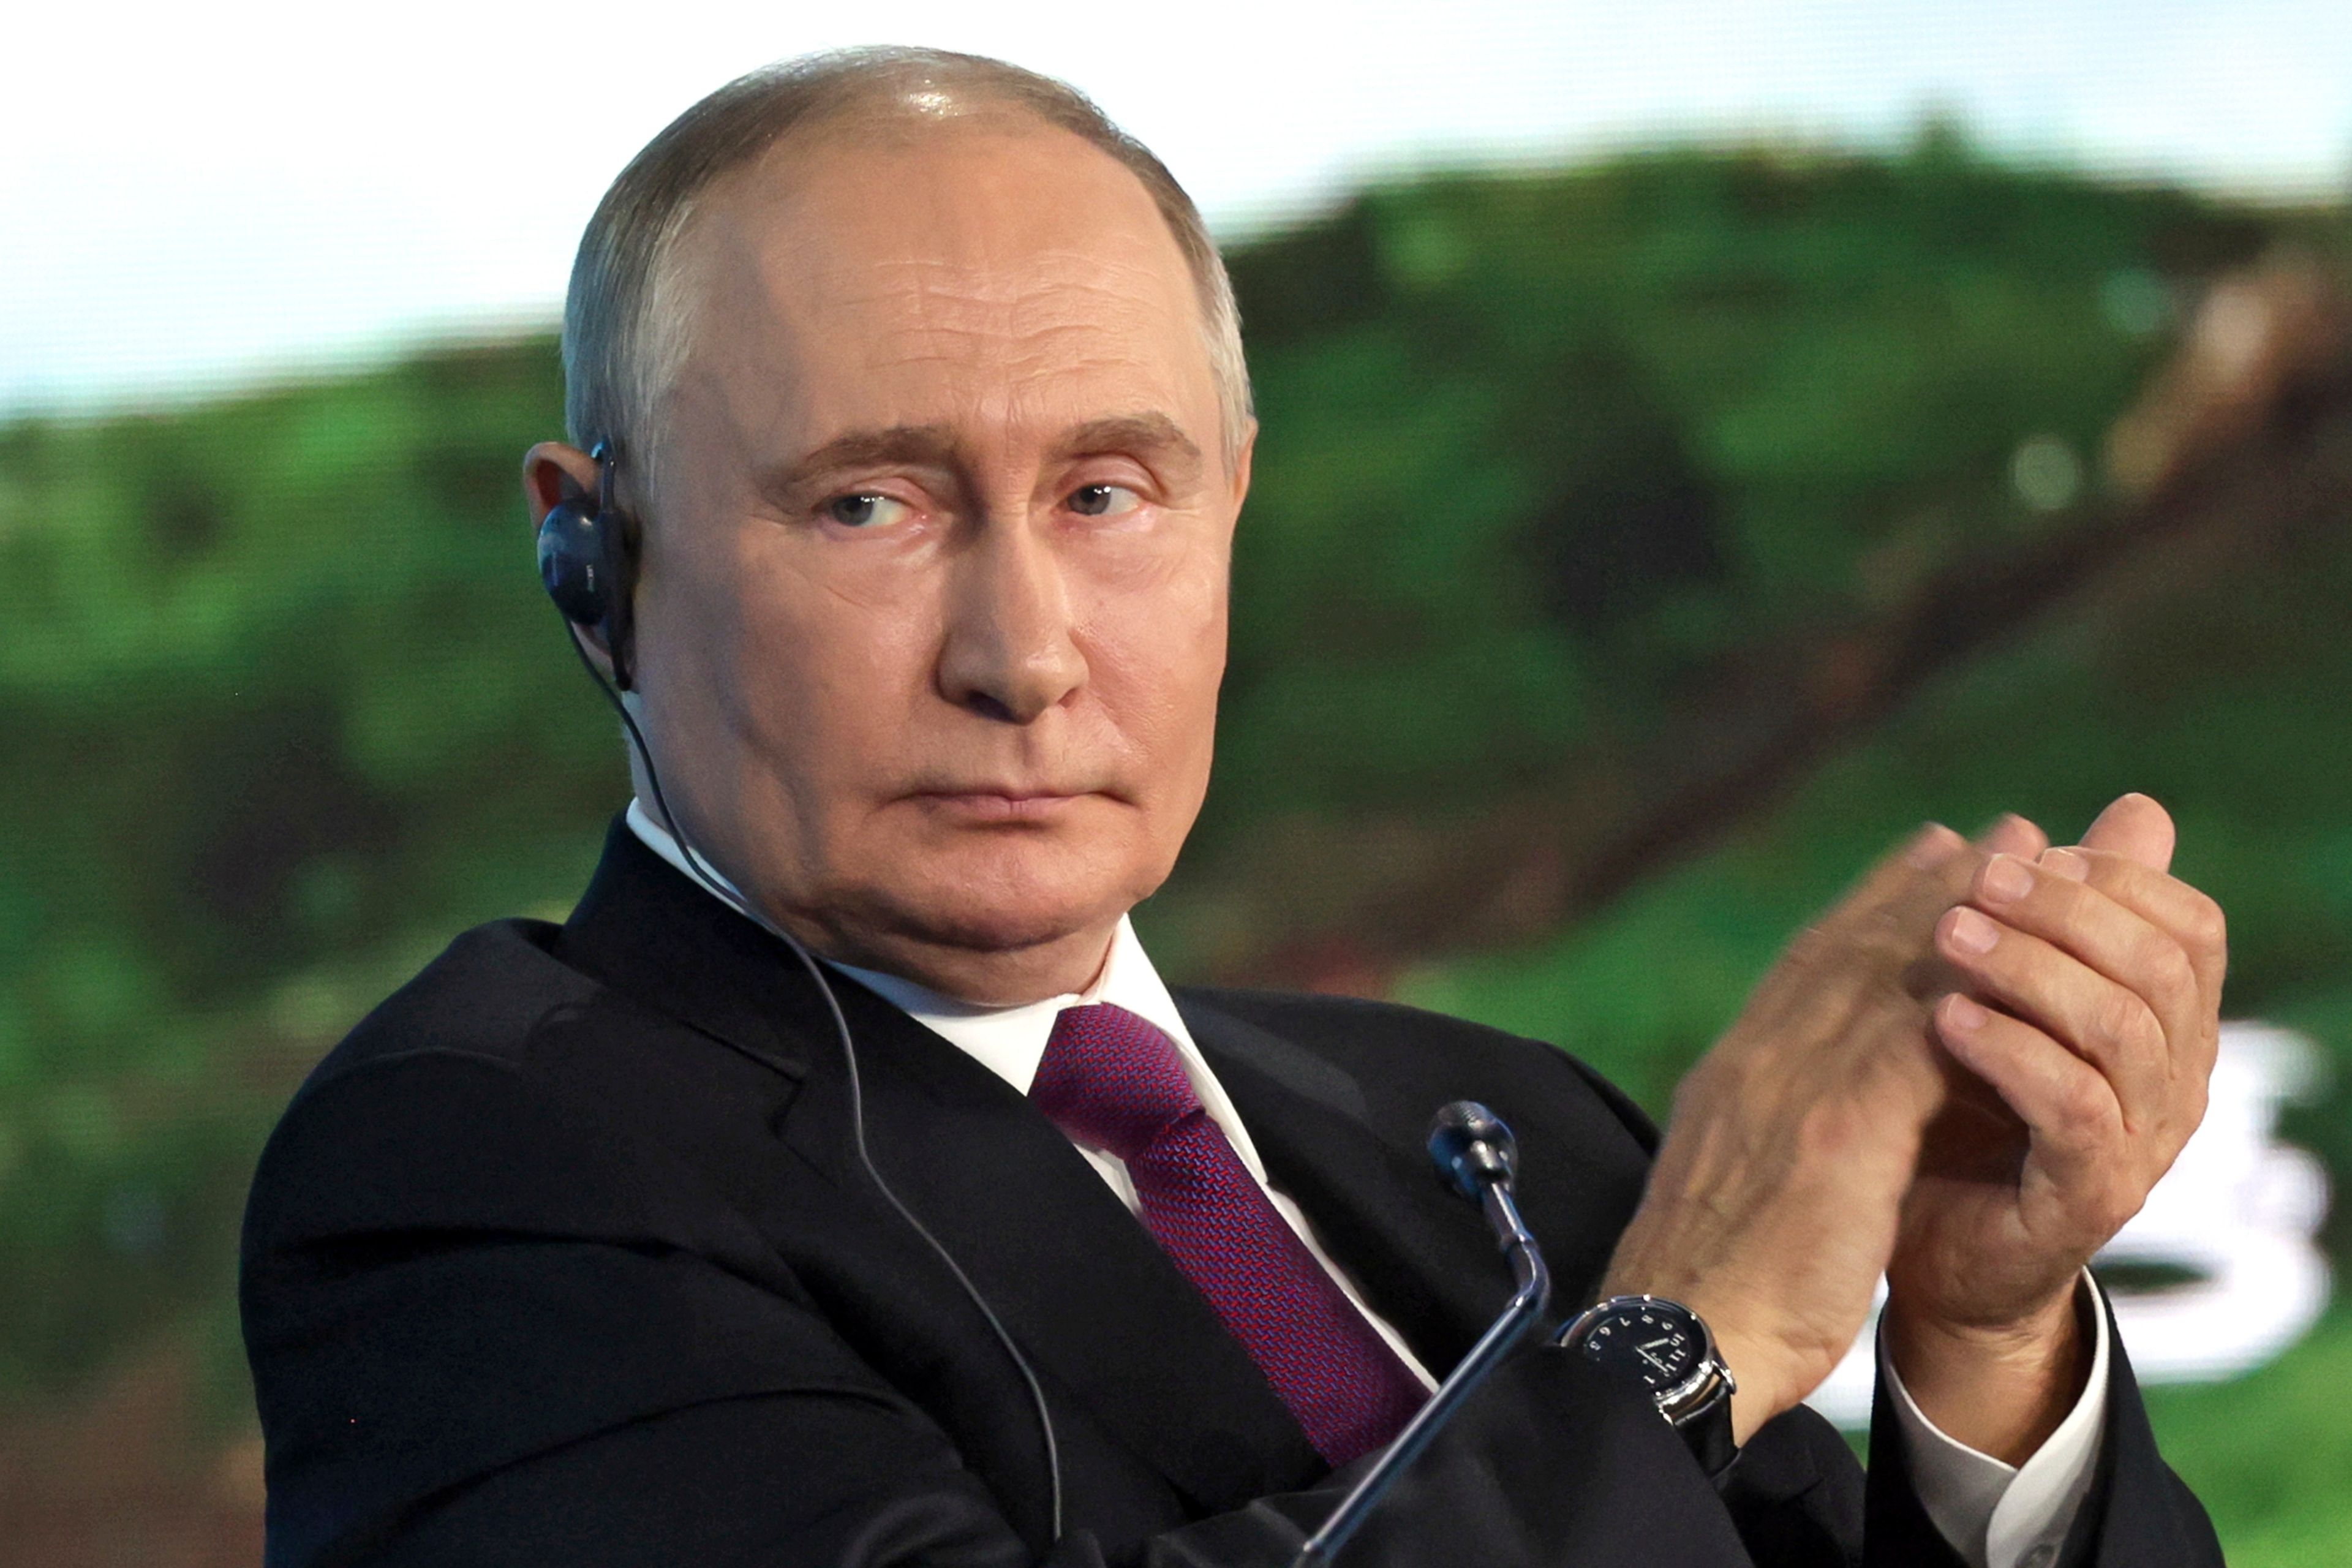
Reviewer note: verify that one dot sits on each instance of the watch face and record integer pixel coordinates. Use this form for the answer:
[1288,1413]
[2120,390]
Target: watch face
[1658,1340]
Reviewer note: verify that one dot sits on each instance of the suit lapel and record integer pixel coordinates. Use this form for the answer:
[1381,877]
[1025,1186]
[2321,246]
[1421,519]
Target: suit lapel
[1421,1258]
[1075,1278]
[1106,1317]
[648,932]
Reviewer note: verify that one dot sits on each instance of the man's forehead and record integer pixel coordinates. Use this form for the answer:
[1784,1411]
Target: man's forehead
[943,254]
[995,200]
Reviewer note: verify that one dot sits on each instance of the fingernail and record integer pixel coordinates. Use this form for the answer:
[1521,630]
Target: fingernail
[1971,932]
[1932,845]
[2004,879]
[2067,863]
[1963,1014]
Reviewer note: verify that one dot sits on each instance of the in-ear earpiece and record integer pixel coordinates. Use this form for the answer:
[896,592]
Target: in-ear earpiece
[572,563]
[587,563]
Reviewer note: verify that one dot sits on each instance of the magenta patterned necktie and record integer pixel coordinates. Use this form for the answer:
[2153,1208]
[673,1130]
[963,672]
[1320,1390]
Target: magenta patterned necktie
[1113,1081]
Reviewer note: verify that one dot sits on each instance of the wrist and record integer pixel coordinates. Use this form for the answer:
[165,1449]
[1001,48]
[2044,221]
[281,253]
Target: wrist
[1760,1373]
[1752,1404]
[1998,1388]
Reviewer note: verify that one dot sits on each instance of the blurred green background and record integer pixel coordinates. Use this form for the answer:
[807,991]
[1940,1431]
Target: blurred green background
[1637,549]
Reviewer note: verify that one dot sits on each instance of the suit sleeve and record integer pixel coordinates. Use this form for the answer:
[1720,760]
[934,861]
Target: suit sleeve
[2136,1510]
[478,1334]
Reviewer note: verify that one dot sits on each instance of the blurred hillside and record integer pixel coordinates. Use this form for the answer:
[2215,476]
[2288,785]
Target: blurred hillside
[1634,550]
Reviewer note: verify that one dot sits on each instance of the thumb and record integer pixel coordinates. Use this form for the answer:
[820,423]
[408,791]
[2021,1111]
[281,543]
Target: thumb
[2136,828]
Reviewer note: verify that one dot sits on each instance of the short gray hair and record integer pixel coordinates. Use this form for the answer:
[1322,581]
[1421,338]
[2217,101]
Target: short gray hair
[624,326]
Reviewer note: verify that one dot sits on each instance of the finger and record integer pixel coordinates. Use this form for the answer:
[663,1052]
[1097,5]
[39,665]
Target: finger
[1901,892]
[1932,849]
[1896,901]
[1882,929]
[2134,827]
[2013,835]
[2192,918]
[2009,834]
[2070,1110]
[2189,917]
[2105,934]
[2109,1026]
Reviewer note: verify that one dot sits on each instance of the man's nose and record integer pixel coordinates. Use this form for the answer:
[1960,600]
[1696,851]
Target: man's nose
[1009,652]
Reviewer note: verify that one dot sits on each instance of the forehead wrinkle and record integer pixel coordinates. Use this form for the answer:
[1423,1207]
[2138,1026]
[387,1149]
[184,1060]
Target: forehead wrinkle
[984,301]
[1004,348]
[1039,377]
[1017,307]
[1011,276]
[1024,335]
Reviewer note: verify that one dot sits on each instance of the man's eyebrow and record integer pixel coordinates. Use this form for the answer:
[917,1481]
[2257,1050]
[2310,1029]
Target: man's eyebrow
[933,446]
[1137,433]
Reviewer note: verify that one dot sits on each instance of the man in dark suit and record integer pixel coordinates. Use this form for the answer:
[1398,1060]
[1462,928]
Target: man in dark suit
[909,396]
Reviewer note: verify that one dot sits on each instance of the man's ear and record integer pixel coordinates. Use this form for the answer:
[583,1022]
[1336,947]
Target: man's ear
[553,471]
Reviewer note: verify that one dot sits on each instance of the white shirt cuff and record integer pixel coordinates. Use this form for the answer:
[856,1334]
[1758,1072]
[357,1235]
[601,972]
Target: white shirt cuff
[2005,1516]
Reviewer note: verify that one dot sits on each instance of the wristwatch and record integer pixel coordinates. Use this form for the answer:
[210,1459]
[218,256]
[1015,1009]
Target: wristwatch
[1666,1346]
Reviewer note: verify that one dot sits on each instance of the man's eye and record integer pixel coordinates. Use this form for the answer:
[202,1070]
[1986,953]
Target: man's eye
[1103,501]
[865,510]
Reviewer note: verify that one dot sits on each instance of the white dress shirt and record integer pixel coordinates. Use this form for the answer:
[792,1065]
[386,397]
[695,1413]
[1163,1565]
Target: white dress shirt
[1995,1515]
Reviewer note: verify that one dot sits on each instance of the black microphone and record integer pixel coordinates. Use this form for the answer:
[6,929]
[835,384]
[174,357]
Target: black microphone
[1476,1156]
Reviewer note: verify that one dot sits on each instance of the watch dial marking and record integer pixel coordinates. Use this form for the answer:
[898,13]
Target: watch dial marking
[1655,1346]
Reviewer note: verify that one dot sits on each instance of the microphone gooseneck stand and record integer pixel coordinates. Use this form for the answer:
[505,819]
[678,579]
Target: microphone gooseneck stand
[1476,1156]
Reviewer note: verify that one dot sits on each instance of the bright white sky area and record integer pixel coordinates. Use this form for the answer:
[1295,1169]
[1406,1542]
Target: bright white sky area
[200,195]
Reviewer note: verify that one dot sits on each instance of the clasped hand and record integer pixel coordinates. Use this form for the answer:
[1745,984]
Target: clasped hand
[1967,1077]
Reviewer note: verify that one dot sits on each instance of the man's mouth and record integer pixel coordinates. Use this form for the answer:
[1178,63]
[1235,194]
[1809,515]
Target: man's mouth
[987,805]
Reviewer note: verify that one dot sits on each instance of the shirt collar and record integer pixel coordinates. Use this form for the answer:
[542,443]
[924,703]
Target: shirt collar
[1008,1041]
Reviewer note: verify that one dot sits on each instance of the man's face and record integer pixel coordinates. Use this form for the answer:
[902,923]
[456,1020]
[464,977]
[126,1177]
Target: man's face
[933,606]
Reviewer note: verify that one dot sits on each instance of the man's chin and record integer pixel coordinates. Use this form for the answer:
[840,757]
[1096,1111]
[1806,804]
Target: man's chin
[994,903]
[981,926]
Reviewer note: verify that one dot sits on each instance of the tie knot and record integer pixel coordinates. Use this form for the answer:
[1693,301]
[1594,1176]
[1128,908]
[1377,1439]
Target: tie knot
[1112,1079]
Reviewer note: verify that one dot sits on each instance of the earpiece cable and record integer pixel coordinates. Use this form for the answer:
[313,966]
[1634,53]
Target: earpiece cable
[719,889]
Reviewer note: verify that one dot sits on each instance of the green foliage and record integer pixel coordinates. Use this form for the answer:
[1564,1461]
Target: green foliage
[2226,697]
[283,699]
[1541,453]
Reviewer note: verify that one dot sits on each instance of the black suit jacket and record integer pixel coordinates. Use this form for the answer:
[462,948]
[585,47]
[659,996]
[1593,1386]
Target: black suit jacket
[564,1257]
